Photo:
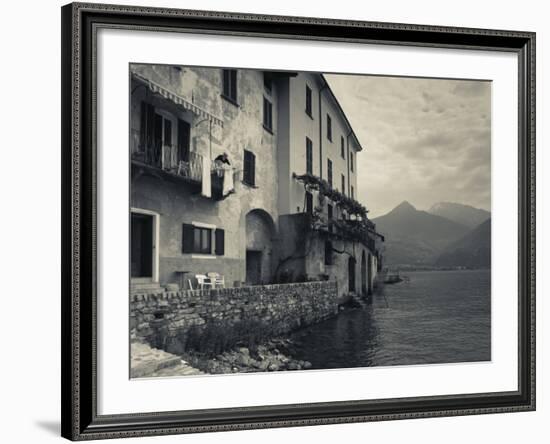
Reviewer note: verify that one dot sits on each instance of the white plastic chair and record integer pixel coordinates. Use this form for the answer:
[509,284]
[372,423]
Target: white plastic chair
[204,281]
[217,279]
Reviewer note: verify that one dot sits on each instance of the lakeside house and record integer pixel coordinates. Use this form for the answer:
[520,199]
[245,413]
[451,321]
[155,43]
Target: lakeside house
[282,205]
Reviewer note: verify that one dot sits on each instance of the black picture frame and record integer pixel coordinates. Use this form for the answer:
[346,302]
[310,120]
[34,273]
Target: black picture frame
[79,170]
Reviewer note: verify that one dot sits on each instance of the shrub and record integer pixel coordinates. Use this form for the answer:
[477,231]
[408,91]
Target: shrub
[219,336]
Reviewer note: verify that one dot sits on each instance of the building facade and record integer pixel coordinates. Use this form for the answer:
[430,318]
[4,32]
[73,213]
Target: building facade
[241,173]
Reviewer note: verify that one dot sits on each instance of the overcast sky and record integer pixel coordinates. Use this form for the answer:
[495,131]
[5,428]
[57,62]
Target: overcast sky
[424,140]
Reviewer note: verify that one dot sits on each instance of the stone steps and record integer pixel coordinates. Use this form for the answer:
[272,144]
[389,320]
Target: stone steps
[149,362]
[178,370]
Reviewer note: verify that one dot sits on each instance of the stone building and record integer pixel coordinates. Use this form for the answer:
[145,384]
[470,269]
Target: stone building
[279,206]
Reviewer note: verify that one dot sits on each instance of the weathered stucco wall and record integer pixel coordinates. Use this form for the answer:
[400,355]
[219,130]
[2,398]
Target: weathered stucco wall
[278,154]
[163,319]
[242,130]
[300,126]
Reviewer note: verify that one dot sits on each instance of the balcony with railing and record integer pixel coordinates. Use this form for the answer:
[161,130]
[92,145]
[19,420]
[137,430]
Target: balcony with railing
[353,223]
[188,168]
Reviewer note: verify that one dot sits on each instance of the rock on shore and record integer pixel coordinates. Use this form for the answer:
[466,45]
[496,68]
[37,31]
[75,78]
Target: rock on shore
[268,357]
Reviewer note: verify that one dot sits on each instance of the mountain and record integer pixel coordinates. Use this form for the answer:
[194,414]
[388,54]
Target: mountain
[459,213]
[415,237]
[471,251]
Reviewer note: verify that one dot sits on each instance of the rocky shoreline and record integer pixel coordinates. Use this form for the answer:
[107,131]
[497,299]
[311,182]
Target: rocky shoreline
[271,356]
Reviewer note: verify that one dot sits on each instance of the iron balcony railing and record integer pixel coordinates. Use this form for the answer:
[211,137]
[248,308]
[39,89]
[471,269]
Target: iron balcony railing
[167,159]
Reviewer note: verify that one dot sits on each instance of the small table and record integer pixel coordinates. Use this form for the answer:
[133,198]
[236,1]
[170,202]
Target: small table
[182,279]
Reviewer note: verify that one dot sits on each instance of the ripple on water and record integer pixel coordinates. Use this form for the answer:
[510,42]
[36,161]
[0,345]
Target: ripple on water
[436,317]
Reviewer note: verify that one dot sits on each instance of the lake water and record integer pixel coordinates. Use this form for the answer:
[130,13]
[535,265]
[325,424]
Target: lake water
[435,317]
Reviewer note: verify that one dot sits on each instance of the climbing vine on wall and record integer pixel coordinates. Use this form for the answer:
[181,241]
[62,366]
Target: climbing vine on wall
[356,226]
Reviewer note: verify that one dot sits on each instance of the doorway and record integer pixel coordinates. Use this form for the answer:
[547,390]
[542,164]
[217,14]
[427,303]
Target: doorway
[351,274]
[141,246]
[253,267]
[364,289]
[369,274]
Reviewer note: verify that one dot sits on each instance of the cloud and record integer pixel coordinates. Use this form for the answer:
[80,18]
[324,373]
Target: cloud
[426,140]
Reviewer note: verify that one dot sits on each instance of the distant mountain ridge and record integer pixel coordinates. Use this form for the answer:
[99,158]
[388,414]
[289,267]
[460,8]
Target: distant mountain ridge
[415,237]
[460,213]
[421,238]
[471,251]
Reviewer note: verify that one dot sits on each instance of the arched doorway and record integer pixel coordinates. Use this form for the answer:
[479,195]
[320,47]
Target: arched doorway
[369,275]
[363,273]
[260,230]
[351,274]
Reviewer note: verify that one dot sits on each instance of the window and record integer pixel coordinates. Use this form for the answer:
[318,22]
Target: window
[198,239]
[343,184]
[329,128]
[249,168]
[230,85]
[329,260]
[351,161]
[309,156]
[352,192]
[160,152]
[202,240]
[329,172]
[308,102]
[342,148]
[156,130]
[309,202]
[268,115]
[268,82]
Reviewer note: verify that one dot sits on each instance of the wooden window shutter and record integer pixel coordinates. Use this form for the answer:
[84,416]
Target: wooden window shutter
[234,84]
[143,126]
[226,83]
[187,239]
[246,167]
[220,241]
[249,173]
[150,124]
[184,138]
[253,169]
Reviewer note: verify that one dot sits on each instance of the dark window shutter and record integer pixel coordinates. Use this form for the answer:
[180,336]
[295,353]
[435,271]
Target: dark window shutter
[150,124]
[143,126]
[252,169]
[246,168]
[220,242]
[234,84]
[187,239]
[157,140]
[249,172]
[226,83]
[184,133]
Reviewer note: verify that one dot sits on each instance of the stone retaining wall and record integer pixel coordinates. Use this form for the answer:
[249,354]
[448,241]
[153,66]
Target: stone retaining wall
[160,318]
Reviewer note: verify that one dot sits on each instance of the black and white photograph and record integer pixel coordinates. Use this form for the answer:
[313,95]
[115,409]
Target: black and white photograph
[290,220]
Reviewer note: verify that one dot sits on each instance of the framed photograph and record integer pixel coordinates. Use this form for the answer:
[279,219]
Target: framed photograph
[280,221]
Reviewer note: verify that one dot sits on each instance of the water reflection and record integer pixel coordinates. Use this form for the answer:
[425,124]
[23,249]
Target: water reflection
[437,317]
